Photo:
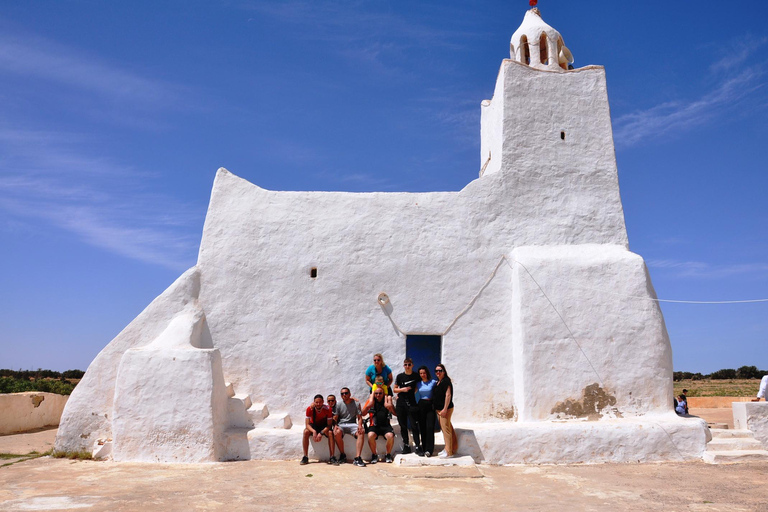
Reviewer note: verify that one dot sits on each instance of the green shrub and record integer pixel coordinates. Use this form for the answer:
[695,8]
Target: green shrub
[19,385]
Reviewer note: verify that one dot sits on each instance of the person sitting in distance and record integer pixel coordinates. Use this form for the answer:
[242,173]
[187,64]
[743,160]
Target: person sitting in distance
[349,420]
[318,423]
[379,425]
[682,405]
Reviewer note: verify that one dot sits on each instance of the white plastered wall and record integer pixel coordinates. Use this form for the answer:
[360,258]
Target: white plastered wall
[284,336]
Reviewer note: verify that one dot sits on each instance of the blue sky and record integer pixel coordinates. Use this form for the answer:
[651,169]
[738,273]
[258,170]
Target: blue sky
[114,117]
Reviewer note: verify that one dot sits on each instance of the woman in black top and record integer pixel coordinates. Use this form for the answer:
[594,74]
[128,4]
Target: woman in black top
[443,402]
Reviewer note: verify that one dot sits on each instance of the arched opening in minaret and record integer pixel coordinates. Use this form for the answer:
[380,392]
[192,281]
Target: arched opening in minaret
[525,51]
[543,50]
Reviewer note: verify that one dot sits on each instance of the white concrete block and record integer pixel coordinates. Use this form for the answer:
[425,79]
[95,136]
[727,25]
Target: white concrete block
[413,460]
[754,417]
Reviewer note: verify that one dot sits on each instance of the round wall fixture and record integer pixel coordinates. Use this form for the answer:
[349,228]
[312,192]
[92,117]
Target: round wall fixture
[383,299]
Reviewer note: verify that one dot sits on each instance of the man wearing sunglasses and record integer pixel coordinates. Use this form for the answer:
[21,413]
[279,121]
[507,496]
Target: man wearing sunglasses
[405,387]
[349,420]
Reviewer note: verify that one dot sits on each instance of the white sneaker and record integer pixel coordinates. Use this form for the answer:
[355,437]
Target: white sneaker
[442,454]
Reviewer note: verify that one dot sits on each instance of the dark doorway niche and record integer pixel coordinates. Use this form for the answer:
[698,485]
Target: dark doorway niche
[425,350]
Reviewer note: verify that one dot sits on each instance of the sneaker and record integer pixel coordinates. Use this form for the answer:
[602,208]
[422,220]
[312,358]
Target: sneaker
[343,458]
[427,454]
[374,459]
[445,456]
[304,460]
[388,459]
[406,449]
[333,461]
[419,452]
[359,462]
[442,453]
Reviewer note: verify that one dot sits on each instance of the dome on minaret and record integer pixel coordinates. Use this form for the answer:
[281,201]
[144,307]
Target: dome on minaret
[538,45]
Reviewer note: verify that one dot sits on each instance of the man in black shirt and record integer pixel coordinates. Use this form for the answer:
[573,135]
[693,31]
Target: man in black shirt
[405,386]
[379,426]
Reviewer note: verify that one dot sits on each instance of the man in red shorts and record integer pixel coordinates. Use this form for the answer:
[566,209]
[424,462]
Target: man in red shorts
[318,423]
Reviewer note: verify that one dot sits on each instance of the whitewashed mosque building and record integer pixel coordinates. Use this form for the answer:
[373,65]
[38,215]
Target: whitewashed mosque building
[521,283]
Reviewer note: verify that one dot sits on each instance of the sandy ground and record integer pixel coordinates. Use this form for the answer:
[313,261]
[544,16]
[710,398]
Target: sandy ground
[62,484]
[39,440]
[722,415]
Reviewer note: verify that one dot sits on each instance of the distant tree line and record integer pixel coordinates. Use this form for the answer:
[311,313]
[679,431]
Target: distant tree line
[745,372]
[47,381]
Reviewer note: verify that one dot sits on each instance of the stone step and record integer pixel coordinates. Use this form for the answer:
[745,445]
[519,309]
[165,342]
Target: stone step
[237,413]
[246,399]
[230,389]
[730,433]
[413,460]
[735,456]
[258,412]
[722,444]
[277,420]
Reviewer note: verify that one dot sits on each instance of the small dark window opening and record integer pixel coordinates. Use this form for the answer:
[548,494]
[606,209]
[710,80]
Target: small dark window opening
[562,135]
[543,50]
[313,272]
[525,51]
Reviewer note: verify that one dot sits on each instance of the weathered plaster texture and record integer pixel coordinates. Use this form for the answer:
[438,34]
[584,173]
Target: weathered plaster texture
[29,410]
[544,313]
[170,398]
[752,416]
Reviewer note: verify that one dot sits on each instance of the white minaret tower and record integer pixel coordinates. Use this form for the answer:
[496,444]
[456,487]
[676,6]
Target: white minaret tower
[547,129]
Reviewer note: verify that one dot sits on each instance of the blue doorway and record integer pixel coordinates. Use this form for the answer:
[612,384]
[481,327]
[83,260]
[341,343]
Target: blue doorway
[424,349]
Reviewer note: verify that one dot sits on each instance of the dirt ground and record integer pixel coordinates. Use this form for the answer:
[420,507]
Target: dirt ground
[61,484]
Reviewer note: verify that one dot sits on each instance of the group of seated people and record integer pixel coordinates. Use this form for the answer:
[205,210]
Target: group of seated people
[419,399]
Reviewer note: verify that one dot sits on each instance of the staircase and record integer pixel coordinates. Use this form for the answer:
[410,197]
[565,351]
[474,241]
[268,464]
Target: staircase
[244,416]
[731,446]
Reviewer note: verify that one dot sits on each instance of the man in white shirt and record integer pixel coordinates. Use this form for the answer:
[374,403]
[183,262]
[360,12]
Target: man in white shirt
[763,390]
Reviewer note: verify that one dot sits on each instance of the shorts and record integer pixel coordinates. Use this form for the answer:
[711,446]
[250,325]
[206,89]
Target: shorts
[380,431]
[319,429]
[348,428]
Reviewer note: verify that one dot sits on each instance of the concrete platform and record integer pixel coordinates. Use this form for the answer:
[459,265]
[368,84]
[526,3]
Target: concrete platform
[735,456]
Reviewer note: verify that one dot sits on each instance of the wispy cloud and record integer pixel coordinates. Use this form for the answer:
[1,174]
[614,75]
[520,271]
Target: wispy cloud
[735,54]
[362,31]
[699,269]
[729,89]
[39,58]
[105,204]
